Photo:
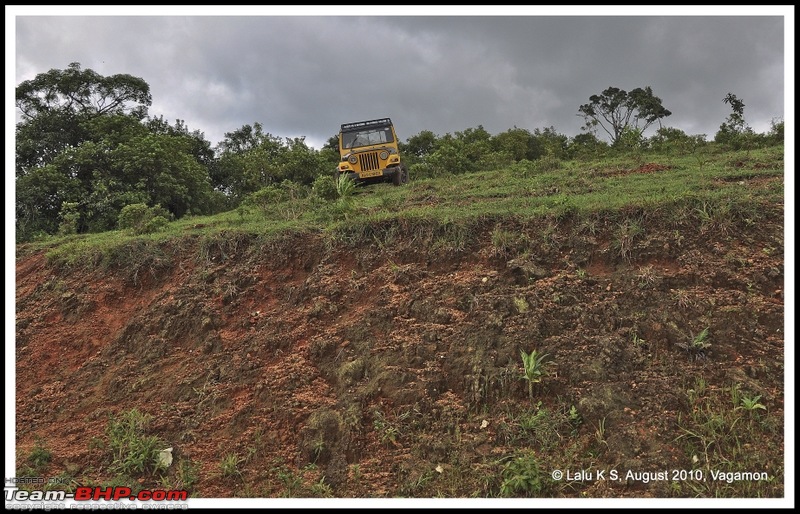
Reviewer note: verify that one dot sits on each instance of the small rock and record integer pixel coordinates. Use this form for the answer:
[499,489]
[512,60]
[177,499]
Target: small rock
[165,457]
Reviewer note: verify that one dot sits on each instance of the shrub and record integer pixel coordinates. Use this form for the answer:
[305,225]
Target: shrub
[141,219]
[324,187]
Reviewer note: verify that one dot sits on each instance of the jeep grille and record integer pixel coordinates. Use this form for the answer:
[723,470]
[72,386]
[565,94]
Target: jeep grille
[369,161]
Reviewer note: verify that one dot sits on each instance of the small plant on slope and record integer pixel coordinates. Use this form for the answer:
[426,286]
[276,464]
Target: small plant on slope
[533,364]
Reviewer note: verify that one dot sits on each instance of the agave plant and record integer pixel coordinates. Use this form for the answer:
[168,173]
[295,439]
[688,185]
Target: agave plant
[345,187]
[533,364]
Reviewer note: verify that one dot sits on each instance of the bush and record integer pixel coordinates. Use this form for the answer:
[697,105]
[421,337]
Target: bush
[670,139]
[775,134]
[324,187]
[141,219]
[273,194]
[422,170]
[451,157]
[523,167]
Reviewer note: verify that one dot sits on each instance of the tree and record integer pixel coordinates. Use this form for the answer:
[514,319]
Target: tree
[734,130]
[243,139]
[56,105]
[617,111]
[517,144]
[550,142]
[420,145]
[735,120]
[39,198]
[199,146]
[247,161]
[332,144]
[85,151]
[476,142]
[451,157]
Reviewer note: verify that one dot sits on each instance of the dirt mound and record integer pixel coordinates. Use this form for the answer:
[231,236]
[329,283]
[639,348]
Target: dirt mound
[307,368]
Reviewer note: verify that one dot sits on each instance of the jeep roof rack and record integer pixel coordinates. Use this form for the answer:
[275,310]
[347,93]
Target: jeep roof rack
[366,124]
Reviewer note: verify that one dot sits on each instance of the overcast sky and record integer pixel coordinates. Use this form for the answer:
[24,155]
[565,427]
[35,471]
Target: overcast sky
[304,75]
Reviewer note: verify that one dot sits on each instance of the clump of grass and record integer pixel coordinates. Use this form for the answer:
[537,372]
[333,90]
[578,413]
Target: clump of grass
[133,451]
[229,465]
[40,456]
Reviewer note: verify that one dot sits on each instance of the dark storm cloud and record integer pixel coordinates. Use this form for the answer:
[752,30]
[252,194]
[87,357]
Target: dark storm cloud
[304,75]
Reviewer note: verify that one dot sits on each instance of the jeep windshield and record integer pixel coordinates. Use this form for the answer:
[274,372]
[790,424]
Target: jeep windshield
[366,137]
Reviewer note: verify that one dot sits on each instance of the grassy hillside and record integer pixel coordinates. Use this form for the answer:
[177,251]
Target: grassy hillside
[705,188]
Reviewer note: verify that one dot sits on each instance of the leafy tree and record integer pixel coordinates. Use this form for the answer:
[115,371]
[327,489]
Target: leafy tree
[199,147]
[518,144]
[300,163]
[550,142]
[85,150]
[250,159]
[616,110]
[104,176]
[734,130]
[450,157]
[631,139]
[246,138]
[420,145]
[775,134]
[162,167]
[735,120]
[668,139]
[476,142]
[332,144]
[54,107]
[329,158]
[39,198]
[246,161]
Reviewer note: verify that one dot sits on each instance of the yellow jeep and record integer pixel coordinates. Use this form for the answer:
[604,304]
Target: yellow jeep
[368,151]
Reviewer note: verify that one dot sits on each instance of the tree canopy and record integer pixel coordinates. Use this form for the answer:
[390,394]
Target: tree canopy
[85,149]
[617,111]
[54,107]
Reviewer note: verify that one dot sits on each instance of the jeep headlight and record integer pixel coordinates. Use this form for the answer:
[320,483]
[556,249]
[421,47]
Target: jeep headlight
[352,159]
[384,155]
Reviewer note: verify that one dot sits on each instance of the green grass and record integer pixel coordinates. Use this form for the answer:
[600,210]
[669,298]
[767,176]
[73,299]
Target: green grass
[728,431]
[729,186]
[134,452]
[229,465]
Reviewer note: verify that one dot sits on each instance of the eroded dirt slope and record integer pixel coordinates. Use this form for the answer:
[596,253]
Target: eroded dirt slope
[393,368]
